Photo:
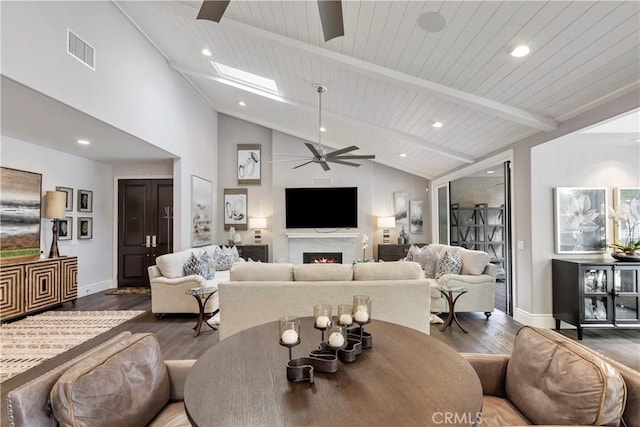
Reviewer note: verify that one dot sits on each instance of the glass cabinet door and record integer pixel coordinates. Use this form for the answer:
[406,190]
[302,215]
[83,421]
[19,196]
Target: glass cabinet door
[625,284]
[596,282]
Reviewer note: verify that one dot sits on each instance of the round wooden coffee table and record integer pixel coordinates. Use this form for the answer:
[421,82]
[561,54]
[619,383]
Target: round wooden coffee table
[407,378]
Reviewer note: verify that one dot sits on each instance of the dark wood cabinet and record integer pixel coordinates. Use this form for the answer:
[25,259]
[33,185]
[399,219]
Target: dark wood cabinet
[37,285]
[255,252]
[394,252]
[590,294]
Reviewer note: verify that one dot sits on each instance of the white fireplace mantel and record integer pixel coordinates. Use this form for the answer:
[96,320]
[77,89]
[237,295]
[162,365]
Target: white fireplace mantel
[345,243]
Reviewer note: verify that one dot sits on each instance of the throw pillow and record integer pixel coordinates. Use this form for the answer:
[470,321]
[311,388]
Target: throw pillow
[449,264]
[211,269]
[221,260]
[409,256]
[427,258]
[232,252]
[195,265]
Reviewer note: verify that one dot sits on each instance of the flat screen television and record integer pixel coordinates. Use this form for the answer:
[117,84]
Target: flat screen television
[321,207]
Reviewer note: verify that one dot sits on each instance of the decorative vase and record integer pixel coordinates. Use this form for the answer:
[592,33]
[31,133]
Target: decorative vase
[626,257]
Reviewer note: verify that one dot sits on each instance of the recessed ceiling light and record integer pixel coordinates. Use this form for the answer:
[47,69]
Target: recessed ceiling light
[84,142]
[206,52]
[436,124]
[402,155]
[323,129]
[519,51]
[242,104]
[490,172]
[431,22]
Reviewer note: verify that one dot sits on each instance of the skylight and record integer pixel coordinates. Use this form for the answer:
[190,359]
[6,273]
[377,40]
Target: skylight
[245,78]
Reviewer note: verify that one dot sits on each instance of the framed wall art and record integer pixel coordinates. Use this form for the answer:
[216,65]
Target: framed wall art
[201,211]
[416,212]
[628,230]
[580,220]
[249,163]
[235,208]
[69,192]
[401,207]
[85,228]
[20,197]
[85,201]
[65,228]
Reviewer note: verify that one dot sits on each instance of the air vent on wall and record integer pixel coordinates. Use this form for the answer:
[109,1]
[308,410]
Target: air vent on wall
[80,49]
[323,181]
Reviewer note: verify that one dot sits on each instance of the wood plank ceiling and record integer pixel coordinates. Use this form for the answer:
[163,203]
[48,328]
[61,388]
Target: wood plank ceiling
[388,79]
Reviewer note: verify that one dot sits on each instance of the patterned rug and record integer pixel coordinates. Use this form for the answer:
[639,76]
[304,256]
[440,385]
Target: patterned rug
[29,342]
[130,291]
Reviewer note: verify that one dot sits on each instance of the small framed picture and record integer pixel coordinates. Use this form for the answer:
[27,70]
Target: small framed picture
[85,228]
[249,163]
[69,191]
[65,228]
[85,201]
[235,208]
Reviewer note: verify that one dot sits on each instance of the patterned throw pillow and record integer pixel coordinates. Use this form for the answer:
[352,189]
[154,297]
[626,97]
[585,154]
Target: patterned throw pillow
[409,256]
[450,263]
[232,252]
[195,265]
[221,260]
[211,268]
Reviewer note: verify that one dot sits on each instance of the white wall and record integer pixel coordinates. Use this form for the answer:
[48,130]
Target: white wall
[578,160]
[61,169]
[132,87]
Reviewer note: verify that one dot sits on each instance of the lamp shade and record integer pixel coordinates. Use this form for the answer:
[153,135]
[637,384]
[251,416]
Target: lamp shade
[55,204]
[386,222]
[258,223]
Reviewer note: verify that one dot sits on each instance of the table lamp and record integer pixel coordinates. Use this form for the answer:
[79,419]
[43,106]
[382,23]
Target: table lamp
[257,224]
[386,223]
[55,210]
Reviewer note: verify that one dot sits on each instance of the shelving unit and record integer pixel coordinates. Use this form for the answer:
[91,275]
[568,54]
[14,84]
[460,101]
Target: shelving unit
[480,227]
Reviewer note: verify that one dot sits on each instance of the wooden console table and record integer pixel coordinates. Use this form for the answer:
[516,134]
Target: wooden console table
[33,285]
[255,252]
[395,252]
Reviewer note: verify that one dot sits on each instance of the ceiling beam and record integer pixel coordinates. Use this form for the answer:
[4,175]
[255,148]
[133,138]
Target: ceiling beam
[401,136]
[466,99]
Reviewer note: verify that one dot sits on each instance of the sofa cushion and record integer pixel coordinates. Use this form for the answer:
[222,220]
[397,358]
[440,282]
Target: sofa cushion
[564,384]
[261,272]
[195,265]
[322,272]
[173,415]
[221,259]
[232,252]
[473,262]
[171,265]
[125,386]
[394,270]
[497,411]
[426,257]
[449,263]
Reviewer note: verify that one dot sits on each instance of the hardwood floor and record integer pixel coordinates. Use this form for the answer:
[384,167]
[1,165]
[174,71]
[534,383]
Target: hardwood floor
[175,335]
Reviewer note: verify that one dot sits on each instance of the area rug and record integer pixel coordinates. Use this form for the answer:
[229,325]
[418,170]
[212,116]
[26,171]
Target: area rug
[29,342]
[130,291]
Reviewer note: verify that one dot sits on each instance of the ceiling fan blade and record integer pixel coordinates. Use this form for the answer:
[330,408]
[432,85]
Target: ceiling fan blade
[331,18]
[287,160]
[313,149]
[343,163]
[300,156]
[325,166]
[356,156]
[212,10]
[342,150]
[305,163]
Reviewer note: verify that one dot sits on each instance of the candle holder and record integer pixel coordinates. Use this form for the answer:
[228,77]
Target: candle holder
[362,316]
[322,317]
[345,315]
[337,338]
[289,332]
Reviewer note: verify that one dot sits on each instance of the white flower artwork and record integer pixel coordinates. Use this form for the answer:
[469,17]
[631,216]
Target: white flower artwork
[581,220]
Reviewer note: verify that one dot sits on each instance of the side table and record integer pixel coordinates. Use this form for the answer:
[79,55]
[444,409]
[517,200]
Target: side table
[202,295]
[448,294]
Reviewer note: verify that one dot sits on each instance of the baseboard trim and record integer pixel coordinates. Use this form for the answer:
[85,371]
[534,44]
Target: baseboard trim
[538,320]
[94,288]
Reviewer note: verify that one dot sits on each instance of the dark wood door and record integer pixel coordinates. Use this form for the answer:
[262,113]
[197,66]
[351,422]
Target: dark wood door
[145,227]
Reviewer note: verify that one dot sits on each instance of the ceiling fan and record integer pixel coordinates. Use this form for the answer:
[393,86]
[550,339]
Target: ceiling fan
[320,154]
[330,15]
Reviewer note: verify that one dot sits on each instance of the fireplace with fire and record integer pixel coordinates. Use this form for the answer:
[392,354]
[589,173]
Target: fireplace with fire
[322,257]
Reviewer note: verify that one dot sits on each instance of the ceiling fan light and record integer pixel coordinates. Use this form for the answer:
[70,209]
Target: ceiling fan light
[519,51]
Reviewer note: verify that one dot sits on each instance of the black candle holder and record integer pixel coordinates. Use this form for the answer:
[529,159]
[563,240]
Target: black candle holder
[290,346]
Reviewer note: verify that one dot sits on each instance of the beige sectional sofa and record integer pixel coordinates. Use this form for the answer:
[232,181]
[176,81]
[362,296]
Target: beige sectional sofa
[477,275]
[258,293]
